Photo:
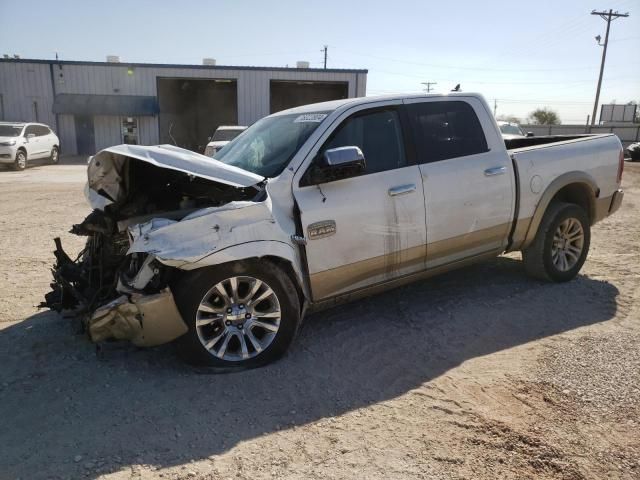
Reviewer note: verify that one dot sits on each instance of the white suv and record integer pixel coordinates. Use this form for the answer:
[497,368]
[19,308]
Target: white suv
[223,135]
[20,142]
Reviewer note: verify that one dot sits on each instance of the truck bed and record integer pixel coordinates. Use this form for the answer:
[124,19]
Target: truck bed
[514,143]
[539,161]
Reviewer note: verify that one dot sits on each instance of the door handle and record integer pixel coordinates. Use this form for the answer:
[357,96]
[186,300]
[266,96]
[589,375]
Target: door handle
[402,190]
[490,172]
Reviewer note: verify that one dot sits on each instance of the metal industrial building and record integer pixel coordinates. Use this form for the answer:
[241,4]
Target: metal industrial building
[93,105]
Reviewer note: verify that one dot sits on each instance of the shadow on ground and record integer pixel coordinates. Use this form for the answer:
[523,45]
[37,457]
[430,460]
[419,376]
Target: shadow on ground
[64,160]
[58,400]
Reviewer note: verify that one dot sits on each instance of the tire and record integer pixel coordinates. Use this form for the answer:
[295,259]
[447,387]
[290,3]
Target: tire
[55,155]
[543,258]
[21,160]
[219,320]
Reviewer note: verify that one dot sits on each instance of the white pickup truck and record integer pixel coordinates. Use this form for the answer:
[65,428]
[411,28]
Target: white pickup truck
[318,205]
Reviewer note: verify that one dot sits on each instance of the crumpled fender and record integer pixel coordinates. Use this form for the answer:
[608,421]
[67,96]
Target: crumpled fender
[205,232]
[211,236]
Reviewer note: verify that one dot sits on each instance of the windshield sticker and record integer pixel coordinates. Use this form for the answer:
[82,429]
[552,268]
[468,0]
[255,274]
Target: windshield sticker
[310,117]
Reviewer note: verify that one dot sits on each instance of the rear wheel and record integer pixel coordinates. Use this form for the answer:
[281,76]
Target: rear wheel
[21,160]
[240,315]
[561,244]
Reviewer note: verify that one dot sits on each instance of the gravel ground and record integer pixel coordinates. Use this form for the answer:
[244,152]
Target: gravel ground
[478,374]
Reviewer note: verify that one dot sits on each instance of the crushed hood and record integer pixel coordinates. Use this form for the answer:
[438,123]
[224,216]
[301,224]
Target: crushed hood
[105,171]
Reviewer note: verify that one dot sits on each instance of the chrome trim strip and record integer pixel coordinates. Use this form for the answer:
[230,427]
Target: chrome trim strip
[402,190]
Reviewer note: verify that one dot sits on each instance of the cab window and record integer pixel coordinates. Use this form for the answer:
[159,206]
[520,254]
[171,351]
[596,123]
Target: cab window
[379,136]
[444,130]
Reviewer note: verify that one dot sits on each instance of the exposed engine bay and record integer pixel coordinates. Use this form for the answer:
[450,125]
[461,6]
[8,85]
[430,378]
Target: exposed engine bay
[135,191]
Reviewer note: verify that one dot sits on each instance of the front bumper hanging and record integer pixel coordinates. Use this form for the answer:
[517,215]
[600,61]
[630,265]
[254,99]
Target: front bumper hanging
[145,320]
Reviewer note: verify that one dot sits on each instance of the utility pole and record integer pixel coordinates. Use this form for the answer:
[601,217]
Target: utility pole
[608,17]
[428,84]
[325,56]
[495,106]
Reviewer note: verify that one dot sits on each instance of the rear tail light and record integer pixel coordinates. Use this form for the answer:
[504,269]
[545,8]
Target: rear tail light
[620,167]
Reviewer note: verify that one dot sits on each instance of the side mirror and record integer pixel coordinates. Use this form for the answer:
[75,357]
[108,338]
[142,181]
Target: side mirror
[339,163]
[30,136]
[530,134]
[209,139]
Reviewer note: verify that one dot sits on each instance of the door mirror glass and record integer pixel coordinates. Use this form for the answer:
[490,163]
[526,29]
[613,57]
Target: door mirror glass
[339,163]
[529,134]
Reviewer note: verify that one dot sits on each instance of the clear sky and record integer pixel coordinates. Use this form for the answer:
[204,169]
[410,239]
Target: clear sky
[523,54]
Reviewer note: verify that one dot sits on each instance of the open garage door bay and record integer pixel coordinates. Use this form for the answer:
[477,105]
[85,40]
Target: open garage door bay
[191,109]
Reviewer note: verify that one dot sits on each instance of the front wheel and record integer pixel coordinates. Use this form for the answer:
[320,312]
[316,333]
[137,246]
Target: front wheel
[240,315]
[55,155]
[21,160]
[561,244]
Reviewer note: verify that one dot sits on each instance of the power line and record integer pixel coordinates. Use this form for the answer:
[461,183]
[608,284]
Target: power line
[485,82]
[530,100]
[306,52]
[624,39]
[458,67]
[608,17]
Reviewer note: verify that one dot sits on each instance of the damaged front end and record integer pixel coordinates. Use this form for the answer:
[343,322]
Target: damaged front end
[114,294]
[119,290]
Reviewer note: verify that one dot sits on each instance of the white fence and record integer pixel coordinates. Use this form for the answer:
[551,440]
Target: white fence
[627,135]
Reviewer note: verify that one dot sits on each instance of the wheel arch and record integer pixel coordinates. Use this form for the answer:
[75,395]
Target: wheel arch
[280,254]
[578,188]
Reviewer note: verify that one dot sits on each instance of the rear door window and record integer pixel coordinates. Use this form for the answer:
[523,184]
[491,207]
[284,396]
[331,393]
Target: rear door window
[31,130]
[444,130]
[41,130]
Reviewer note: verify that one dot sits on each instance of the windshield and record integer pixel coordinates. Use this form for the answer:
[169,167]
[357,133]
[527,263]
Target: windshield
[268,145]
[10,130]
[226,135]
[509,129]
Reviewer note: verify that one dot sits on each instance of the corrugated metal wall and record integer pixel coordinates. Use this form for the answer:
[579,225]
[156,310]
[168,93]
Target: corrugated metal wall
[148,130]
[67,134]
[22,83]
[107,131]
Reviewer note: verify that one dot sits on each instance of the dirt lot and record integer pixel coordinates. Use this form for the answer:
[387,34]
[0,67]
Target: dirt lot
[479,374]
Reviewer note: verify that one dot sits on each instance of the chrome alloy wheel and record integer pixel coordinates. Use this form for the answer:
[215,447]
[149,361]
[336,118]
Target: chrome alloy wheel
[568,242]
[238,318]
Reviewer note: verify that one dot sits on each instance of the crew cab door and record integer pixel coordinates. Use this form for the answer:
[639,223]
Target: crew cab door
[369,228]
[467,176]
